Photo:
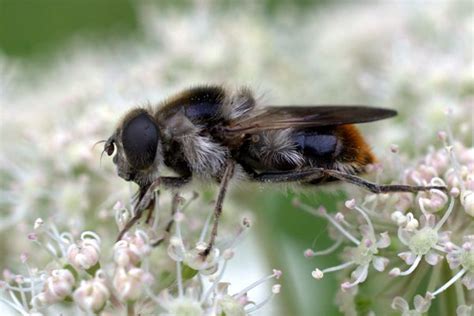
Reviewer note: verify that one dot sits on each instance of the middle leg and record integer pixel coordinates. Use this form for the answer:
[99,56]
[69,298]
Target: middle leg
[228,173]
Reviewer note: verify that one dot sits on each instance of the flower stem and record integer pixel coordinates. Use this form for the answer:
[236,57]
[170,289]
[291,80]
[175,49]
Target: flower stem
[130,309]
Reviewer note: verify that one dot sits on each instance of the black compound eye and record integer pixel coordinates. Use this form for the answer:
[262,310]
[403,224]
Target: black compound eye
[140,140]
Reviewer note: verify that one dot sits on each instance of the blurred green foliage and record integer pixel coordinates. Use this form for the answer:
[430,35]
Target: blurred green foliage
[37,29]
[30,28]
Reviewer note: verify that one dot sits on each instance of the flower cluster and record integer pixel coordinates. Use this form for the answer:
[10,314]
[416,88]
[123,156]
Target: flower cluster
[433,226]
[123,280]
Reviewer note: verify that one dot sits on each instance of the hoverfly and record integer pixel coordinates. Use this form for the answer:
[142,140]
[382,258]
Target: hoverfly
[215,134]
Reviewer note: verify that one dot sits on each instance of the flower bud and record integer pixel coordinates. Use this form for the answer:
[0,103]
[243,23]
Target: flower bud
[56,287]
[399,218]
[85,253]
[467,201]
[129,283]
[309,253]
[38,223]
[350,204]
[412,222]
[317,274]
[131,249]
[276,288]
[92,295]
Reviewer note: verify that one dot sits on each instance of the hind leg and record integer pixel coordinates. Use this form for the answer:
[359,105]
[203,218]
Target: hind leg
[318,174]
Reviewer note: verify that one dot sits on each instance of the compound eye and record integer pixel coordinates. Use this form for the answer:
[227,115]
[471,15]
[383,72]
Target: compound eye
[140,140]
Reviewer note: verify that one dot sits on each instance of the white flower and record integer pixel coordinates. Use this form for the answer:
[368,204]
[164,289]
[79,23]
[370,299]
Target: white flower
[424,242]
[365,252]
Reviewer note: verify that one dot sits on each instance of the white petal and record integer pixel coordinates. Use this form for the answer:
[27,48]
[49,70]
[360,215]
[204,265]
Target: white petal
[384,240]
[444,237]
[405,235]
[400,304]
[408,256]
[379,263]
[454,259]
[422,305]
[468,281]
[360,273]
[432,258]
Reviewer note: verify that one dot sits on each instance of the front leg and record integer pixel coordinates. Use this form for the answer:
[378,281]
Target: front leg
[146,196]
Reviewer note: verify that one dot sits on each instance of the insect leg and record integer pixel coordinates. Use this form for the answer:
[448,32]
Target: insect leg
[174,208]
[316,173]
[174,182]
[379,188]
[137,202]
[287,176]
[130,223]
[228,173]
[146,196]
[151,209]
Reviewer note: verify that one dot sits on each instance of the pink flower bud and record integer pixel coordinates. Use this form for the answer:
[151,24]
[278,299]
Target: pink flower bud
[128,284]
[350,204]
[339,217]
[277,273]
[92,295]
[85,253]
[32,236]
[56,287]
[454,192]
[131,249]
[23,257]
[317,274]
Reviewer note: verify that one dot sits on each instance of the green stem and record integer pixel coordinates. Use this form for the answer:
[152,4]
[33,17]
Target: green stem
[434,278]
[460,293]
[130,309]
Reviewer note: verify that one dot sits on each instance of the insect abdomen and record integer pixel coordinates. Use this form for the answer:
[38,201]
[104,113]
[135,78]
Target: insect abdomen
[316,144]
[339,147]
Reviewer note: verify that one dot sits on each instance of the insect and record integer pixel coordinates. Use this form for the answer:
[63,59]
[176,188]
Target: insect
[216,134]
